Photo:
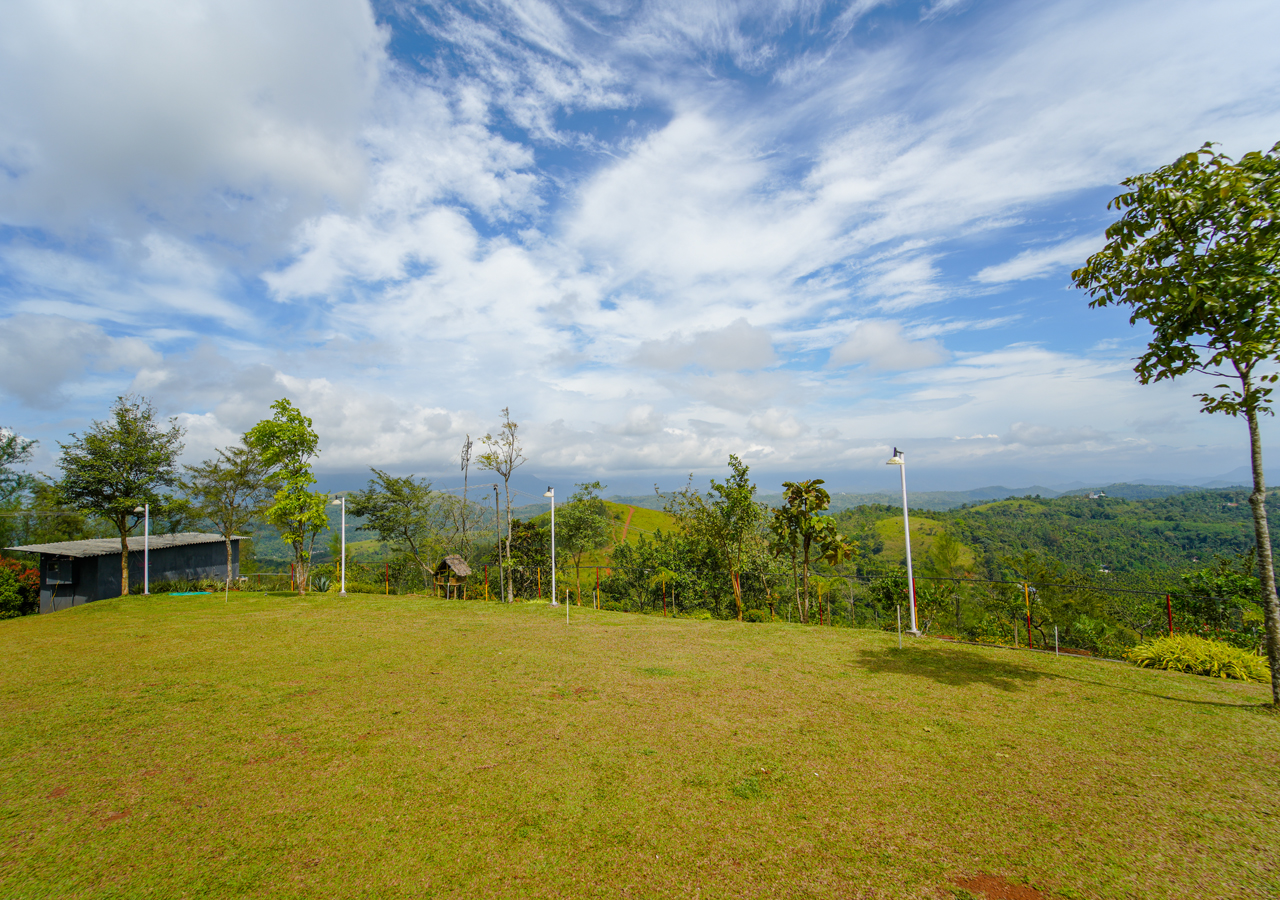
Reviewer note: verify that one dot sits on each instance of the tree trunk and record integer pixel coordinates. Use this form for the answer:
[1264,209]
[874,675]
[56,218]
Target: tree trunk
[795,586]
[737,592]
[124,559]
[1262,535]
[511,577]
[805,577]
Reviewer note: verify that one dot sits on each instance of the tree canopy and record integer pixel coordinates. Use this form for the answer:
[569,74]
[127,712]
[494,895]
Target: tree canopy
[120,464]
[582,525]
[286,444]
[230,491]
[1195,254]
[405,512]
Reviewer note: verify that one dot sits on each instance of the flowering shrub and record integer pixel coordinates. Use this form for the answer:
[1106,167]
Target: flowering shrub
[19,589]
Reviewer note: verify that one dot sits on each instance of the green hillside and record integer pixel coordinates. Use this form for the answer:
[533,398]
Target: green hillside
[1158,536]
[404,747]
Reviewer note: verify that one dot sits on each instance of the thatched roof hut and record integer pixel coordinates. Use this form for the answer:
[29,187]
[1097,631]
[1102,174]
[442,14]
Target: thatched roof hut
[451,573]
[454,567]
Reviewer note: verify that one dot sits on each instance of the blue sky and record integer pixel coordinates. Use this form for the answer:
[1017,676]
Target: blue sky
[660,232]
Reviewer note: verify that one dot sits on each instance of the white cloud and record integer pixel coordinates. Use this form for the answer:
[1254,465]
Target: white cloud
[882,345]
[1042,261]
[40,354]
[586,213]
[778,424]
[739,345]
[233,118]
[1048,436]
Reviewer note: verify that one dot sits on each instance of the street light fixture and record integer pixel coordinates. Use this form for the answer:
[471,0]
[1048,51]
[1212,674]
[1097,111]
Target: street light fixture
[146,548]
[551,492]
[342,565]
[899,459]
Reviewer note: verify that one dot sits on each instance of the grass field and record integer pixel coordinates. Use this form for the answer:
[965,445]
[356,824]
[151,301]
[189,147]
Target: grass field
[278,746]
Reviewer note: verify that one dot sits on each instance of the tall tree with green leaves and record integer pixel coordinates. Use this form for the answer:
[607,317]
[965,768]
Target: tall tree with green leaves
[287,444]
[582,525]
[120,464]
[404,511]
[230,491]
[15,450]
[503,454]
[727,519]
[1196,256]
[799,531]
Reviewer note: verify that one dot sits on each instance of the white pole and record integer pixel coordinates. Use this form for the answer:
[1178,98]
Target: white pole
[906,529]
[899,626]
[342,590]
[1055,640]
[146,550]
[551,492]
[553,556]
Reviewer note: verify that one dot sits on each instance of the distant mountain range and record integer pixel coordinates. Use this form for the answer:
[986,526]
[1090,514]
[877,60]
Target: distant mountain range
[944,500]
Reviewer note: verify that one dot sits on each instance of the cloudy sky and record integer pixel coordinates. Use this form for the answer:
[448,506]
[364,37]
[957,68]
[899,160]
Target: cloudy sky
[659,232]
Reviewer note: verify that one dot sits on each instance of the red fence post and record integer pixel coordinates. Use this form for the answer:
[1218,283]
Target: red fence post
[1169,606]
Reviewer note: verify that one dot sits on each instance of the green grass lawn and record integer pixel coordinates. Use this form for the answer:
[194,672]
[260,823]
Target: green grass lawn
[278,746]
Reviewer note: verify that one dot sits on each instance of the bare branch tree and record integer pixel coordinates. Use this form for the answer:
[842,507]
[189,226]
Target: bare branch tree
[503,455]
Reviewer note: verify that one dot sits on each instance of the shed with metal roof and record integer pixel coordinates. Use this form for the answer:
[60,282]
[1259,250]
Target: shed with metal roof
[73,573]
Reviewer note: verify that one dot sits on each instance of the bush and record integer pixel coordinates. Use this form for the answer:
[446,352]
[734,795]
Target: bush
[360,587]
[19,589]
[756,615]
[183,586]
[1198,656]
[611,606]
[10,595]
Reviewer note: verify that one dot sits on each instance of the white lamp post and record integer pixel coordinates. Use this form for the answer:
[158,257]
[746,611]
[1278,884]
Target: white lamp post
[899,459]
[146,548]
[342,565]
[551,492]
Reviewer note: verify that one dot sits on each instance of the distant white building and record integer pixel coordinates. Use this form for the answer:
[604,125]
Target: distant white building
[1097,495]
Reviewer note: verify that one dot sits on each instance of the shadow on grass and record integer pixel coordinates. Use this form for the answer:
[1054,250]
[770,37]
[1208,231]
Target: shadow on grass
[960,668]
[957,668]
[1264,706]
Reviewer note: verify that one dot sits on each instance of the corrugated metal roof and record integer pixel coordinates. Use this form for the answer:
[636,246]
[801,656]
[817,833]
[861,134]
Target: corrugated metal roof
[105,546]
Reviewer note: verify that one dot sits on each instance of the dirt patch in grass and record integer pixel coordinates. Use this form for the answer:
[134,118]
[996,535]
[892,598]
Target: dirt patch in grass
[994,887]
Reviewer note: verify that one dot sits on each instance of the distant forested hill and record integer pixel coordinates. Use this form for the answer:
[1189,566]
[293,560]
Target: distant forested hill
[1160,536]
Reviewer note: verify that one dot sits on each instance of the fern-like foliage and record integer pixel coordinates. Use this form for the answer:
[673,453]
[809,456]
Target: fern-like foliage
[1200,656]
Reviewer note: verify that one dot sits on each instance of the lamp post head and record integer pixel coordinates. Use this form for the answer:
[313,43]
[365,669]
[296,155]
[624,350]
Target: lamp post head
[337,501]
[897,459]
[551,492]
[139,509]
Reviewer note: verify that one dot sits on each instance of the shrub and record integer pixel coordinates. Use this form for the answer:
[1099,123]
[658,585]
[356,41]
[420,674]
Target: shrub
[1198,656]
[756,615]
[10,595]
[990,630]
[361,587]
[19,589]
[612,606]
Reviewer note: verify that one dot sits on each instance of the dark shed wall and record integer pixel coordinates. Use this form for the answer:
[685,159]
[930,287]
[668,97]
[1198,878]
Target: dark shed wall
[96,577]
[82,589]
